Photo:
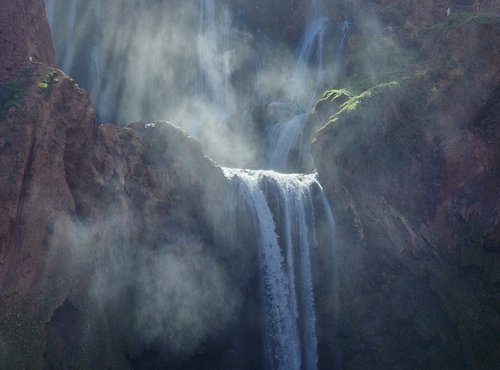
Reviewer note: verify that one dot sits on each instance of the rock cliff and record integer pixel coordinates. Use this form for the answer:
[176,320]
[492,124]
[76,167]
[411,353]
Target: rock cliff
[96,220]
[79,198]
[92,219]
[412,172]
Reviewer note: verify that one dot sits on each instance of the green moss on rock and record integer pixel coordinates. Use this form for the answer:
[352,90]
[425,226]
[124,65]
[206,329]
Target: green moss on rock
[353,102]
[336,95]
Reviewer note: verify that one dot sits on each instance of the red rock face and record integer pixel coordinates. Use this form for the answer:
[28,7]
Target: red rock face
[61,173]
[25,34]
[36,141]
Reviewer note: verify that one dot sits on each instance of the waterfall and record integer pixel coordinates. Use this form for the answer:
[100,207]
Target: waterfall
[96,86]
[207,46]
[285,136]
[302,89]
[96,64]
[50,8]
[214,56]
[314,11]
[287,139]
[70,41]
[344,29]
[284,209]
[310,56]
[226,57]
[281,208]
[67,46]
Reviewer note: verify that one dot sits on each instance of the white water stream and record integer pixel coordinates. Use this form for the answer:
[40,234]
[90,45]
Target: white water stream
[213,56]
[284,136]
[70,43]
[281,206]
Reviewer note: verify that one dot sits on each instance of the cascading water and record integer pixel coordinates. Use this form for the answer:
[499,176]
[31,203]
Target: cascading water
[88,48]
[281,208]
[283,136]
[344,29]
[70,44]
[207,47]
[314,10]
[96,66]
[288,135]
[64,17]
[310,56]
[50,8]
[213,56]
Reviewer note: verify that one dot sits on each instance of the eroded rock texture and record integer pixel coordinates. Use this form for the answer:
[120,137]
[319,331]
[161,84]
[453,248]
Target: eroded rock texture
[412,172]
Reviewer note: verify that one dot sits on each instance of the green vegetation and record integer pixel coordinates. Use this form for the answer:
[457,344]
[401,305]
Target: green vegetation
[381,115]
[335,96]
[45,86]
[353,103]
[42,85]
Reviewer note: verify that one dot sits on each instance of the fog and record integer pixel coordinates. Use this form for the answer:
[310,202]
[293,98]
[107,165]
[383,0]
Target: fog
[242,77]
[243,93]
[199,64]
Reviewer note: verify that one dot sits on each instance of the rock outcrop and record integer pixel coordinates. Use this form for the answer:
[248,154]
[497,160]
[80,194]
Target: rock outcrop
[25,35]
[78,198]
[412,172]
[95,221]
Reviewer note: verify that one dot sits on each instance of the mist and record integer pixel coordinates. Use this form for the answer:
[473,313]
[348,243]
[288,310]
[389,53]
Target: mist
[170,296]
[264,184]
[245,95]
[201,65]
[246,92]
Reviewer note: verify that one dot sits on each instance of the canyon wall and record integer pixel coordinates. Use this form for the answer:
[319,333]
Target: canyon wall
[95,221]
[101,227]
[411,167]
